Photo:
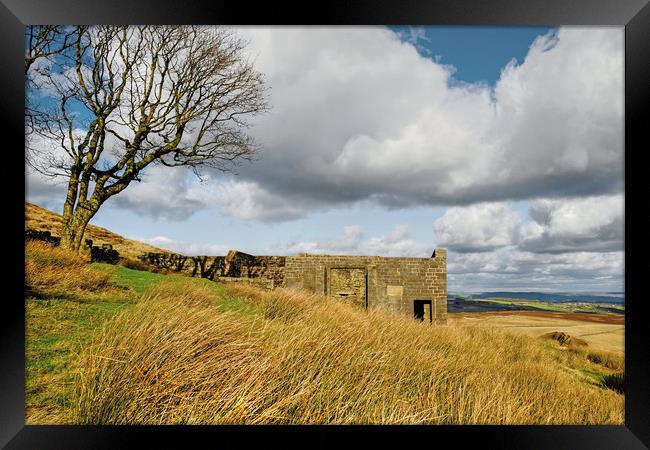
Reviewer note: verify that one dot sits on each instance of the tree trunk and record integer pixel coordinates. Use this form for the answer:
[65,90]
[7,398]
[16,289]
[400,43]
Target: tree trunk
[73,228]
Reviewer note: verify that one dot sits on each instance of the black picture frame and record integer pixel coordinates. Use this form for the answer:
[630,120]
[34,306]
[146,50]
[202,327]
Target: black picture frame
[634,15]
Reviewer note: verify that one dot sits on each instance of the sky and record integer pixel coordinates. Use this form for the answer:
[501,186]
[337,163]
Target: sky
[503,145]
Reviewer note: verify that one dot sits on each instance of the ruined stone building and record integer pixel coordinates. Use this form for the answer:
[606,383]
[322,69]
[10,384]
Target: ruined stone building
[415,287]
[410,286]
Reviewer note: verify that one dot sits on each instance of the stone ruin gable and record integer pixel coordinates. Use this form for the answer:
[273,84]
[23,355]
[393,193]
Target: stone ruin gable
[375,281]
[266,269]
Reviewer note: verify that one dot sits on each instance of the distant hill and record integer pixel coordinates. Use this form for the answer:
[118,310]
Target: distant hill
[38,218]
[556,297]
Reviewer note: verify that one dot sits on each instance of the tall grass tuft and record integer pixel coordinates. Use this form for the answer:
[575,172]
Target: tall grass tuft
[299,358]
[50,268]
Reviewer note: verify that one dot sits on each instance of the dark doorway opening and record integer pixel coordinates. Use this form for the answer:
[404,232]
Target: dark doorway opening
[422,310]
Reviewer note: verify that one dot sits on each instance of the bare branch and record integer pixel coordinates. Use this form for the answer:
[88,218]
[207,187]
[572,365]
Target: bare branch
[128,97]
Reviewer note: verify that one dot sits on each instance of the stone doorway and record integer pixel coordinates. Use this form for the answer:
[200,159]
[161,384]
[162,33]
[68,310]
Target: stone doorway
[349,285]
[422,310]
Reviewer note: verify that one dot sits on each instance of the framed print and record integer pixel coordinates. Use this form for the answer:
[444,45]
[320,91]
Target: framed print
[398,220]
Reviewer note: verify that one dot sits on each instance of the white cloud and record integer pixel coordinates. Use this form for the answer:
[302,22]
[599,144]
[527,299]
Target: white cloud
[416,36]
[186,248]
[478,228]
[523,270]
[397,243]
[44,191]
[359,114]
[592,223]
[164,192]
[347,243]
[247,200]
[501,268]
[351,242]
[570,244]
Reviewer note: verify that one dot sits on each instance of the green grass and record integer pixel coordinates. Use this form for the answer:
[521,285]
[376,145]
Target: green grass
[57,330]
[69,301]
[237,305]
[140,282]
[538,305]
[595,376]
[136,280]
[550,307]
[498,302]
[547,306]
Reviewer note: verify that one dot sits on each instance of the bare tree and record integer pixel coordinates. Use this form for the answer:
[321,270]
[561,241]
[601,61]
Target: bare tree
[123,98]
[43,41]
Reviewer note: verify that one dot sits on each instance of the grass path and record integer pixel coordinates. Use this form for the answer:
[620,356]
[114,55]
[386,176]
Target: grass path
[60,324]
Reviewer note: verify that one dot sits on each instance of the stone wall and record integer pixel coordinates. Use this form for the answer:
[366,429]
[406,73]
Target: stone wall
[403,285]
[41,235]
[409,286]
[105,253]
[94,253]
[235,266]
[392,283]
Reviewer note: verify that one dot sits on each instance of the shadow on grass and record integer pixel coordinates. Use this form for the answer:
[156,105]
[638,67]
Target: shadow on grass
[615,381]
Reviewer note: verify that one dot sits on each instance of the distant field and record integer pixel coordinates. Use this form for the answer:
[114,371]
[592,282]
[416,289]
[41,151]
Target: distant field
[553,297]
[459,304]
[600,331]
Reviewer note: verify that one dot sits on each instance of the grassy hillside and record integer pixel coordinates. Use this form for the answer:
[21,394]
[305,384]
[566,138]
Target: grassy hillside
[110,345]
[43,219]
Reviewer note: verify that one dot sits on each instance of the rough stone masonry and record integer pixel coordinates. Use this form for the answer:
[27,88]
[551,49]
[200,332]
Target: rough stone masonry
[416,287]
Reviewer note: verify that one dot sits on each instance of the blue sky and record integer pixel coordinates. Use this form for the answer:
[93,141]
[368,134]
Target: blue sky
[477,53]
[407,166]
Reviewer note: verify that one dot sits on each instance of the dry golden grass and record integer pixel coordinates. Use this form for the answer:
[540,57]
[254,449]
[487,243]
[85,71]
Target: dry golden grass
[192,351]
[610,360]
[42,219]
[49,268]
[292,357]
